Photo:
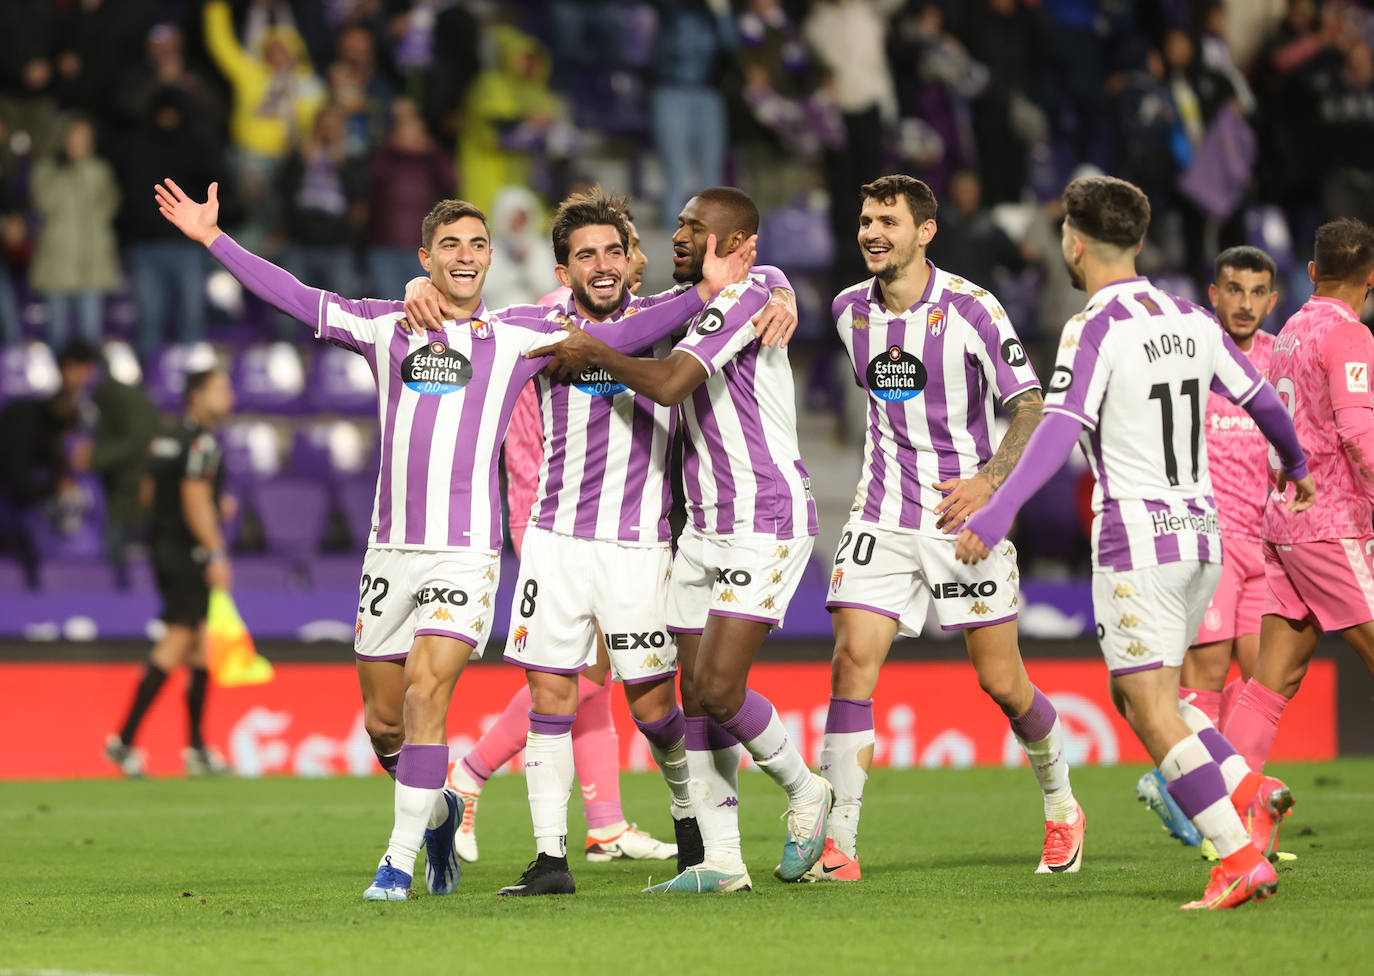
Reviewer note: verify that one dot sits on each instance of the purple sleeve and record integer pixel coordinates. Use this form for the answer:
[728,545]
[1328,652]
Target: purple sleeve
[772,277]
[1270,416]
[724,329]
[270,283]
[639,328]
[1046,451]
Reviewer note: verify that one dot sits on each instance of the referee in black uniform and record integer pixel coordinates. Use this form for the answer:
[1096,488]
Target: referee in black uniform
[187,474]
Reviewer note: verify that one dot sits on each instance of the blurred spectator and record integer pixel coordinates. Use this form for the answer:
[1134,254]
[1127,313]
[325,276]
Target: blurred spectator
[164,66]
[125,423]
[406,176]
[511,118]
[521,267]
[166,270]
[1146,123]
[97,40]
[970,243]
[691,56]
[14,239]
[1002,36]
[456,33]
[325,194]
[275,98]
[360,90]
[75,259]
[1345,106]
[28,44]
[36,469]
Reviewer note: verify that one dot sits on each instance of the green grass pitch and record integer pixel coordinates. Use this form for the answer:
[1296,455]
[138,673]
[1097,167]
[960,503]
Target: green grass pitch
[266,876]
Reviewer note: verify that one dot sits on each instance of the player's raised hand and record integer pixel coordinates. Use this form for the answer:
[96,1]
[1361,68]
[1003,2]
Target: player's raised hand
[1304,493]
[717,272]
[777,320]
[198,221]
[426,307]
[970,549]
[965,496]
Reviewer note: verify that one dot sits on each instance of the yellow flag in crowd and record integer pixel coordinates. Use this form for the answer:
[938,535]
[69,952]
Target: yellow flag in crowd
[232,657]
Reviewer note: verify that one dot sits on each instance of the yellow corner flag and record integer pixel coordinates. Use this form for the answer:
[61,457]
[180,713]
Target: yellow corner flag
[232,657]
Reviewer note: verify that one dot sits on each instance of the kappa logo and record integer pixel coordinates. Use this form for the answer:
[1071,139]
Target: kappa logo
[651,662]
[978,292]
[997,313]
[935,321]
[767,603]
[479,624]
[1016,600]
[1069,340]
[729,294]
[489,574]
[727,595]
[1013,576]
[441,613]
[1129,620]
[836,579]
[729,801]
[1136,649]
[1124,591]
[957,284]
[519,636]
[775,576]
[782,552]
[980,608]
[485,599]
[858,322]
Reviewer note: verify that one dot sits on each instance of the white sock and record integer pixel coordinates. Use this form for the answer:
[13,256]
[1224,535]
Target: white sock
[1234,768]
[549,778]
[672,763]
[772,749]
[715,796]
[414,808]
[1206,799]
[439,814]
[1052,773]
[461,780]
[840,765]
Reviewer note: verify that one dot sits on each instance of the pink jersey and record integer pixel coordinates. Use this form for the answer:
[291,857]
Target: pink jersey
[1321,363]
[1237,455]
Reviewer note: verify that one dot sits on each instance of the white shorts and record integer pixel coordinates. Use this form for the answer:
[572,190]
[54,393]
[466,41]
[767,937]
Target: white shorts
[1146,618]
[409,593]
[751,577]
[898,572]
[568,586]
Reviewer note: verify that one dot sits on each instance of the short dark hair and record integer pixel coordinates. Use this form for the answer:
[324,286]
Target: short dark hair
[1107,209]
[920,200]
[594,208]
[197,380]
[1245,258]
[78,351]
[740,207]
[1344,251]
[446,212]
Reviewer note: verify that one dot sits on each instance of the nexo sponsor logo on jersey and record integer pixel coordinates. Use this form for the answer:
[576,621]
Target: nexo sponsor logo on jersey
[896,375]
[949,591]
[595,381]
[434,368]
[630,642]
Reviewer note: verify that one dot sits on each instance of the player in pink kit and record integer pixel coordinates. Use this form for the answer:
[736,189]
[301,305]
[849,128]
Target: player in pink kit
[1318,562]
[1242,295]
[1128,381]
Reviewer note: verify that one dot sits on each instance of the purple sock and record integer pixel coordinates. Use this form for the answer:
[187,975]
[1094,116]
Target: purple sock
[667,731]
[705,734]
[1216,744]
[1037,721]
[751,719]
[541,724]
[849,715]
[424,767]
[1198,789]
[476,768]
[388,763]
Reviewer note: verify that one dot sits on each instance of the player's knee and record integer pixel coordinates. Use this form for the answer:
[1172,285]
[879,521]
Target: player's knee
[719,696]
[386,737]
[853,671]
[1003,688]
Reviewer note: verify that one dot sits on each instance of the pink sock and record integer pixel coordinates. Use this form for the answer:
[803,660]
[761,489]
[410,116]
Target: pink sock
[1254,722]
[1229,696]
[596,754]
[1205,700]
[499,744]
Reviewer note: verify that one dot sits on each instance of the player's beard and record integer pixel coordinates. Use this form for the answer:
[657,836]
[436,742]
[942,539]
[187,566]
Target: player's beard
[584,298]
[1249,329]
[1075,276]
[690,274]
[899,263]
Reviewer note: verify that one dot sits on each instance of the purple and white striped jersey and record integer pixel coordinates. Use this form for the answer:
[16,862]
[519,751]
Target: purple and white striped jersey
[605,452]
[741,466]
[931,373]
[444,400]
[1134,368]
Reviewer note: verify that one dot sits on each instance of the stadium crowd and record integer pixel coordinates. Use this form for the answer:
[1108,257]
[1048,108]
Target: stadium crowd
[332,127]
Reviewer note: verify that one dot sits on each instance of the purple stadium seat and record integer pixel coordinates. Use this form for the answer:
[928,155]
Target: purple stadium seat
[166,376]
[27,370]
[356,496]
[254,572]
[76,576]
[11,576]
[341,382]
[270,378]
[339,447]
[252,451]
[336,571]
[638,29]
[796,238]
[292,512]
[72,531]
[1267,228]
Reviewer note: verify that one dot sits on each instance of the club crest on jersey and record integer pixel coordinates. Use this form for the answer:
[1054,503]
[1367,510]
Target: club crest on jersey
[595,381]
[894,375]
[835,580]
[519,637]
[435,369]
[935,321]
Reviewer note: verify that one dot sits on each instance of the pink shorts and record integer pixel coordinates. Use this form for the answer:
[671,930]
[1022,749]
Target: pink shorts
[1239,600]
[1330,581]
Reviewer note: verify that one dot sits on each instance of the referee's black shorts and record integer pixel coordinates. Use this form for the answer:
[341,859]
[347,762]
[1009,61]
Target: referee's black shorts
[181,582]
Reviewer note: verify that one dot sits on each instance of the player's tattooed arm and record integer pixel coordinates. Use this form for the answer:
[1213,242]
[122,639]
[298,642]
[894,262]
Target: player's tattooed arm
[777,320]
[967,495]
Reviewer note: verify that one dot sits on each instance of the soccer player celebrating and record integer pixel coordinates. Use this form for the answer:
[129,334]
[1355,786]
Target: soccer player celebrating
[430,573]
[931,350]
[1130,377]
[189,557]
[1242,294]
[751,527]
[1317,561]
